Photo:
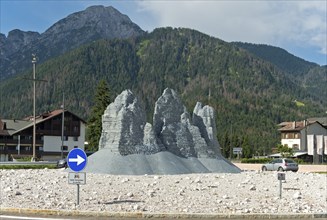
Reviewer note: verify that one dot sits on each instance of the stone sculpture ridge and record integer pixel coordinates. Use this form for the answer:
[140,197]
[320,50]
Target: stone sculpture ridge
[125,130]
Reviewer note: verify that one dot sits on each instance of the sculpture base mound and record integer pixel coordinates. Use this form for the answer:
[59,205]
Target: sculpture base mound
[162,163]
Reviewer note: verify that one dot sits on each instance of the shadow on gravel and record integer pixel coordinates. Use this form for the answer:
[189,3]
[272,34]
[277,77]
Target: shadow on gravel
[121,201]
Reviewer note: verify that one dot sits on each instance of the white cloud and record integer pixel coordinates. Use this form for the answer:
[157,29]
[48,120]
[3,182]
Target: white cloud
[270,22]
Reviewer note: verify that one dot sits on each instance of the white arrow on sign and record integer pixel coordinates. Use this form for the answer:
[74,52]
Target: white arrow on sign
[79,160]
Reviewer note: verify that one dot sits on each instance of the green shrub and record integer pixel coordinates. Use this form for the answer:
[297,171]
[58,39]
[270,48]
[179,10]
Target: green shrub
[38,166]
[24,159]
[256,160]
[299,161]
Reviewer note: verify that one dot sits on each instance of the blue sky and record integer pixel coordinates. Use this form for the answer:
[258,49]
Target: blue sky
[300,27]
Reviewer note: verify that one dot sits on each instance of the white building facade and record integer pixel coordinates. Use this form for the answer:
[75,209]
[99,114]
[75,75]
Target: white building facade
[16,136]
[305,136]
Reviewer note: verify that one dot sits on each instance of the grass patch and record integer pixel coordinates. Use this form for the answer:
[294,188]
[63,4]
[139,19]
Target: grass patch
[256,160]
[299,104]
[37,166]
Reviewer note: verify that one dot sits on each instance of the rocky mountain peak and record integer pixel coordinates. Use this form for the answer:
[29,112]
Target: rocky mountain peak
[94,23]
[16,40]
[105,22]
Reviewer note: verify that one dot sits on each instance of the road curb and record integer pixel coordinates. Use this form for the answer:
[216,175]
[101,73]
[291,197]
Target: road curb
[52,212]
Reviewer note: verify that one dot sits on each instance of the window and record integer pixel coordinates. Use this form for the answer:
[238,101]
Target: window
[75,146]
[297,135]
[295,147]
[75,138]
[65,148]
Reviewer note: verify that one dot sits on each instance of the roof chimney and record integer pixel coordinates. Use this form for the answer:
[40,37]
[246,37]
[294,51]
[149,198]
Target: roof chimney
[294,124]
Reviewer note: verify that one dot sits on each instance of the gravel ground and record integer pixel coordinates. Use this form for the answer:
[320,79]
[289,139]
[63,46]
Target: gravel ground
[302,168]
[246,192]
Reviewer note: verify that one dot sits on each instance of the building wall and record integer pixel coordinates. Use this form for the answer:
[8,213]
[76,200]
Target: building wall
[304,137]
[313,132]
[302,142]
[3,157]
[82,137]
[48,145]
[316,129]
[291,142]
[53,143]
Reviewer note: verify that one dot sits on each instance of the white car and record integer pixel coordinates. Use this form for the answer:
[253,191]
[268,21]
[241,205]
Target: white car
[281,164]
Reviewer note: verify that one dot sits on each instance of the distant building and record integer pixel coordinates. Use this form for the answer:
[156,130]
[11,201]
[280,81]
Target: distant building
[306,137]
[16,136]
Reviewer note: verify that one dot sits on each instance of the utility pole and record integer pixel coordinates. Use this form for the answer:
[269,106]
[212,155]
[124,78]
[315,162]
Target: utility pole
[34,59]
[34,123]
[62,125]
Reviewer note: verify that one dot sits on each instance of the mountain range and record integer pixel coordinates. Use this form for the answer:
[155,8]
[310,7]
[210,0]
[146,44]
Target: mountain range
[94,23]
[252,87]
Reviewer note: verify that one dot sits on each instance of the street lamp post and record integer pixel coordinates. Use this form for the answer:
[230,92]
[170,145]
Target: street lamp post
[62,125]
[34,123]
[34,59]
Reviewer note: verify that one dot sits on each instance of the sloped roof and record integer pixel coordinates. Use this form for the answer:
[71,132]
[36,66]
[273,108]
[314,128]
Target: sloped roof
[295,125]
[2,131]
[14,126]
[321,120]
[292,126]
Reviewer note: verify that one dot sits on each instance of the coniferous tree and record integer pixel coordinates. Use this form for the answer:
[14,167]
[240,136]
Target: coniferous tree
[225,145]
[101,101]
[247,150]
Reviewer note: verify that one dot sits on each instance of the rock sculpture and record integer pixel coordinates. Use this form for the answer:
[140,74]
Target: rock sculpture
[125,130]
[176,143]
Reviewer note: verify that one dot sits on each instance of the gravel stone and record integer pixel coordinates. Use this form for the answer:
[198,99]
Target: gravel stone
[216,193]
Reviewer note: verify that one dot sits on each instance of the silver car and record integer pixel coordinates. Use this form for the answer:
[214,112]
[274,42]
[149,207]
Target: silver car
[62,163]
[281,164]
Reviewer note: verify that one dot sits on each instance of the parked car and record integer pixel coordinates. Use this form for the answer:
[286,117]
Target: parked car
[62,163]
[281,164]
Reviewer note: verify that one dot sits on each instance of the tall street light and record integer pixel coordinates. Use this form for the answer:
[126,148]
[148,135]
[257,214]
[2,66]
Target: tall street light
[62,125]
[34,123]
[34,59]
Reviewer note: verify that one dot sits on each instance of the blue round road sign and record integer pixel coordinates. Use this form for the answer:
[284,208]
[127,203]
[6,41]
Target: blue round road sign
[76,159]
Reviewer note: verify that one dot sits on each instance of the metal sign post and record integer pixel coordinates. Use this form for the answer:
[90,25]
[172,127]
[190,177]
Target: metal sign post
[280,177]
[76,161]
[78,179]
[77,199]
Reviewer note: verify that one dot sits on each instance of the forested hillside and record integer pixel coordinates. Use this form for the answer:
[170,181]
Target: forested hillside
[311,76]
[250,96]
[280,57]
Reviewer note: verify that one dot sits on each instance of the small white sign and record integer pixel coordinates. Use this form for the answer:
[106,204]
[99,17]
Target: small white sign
[77,178]
[237,150]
